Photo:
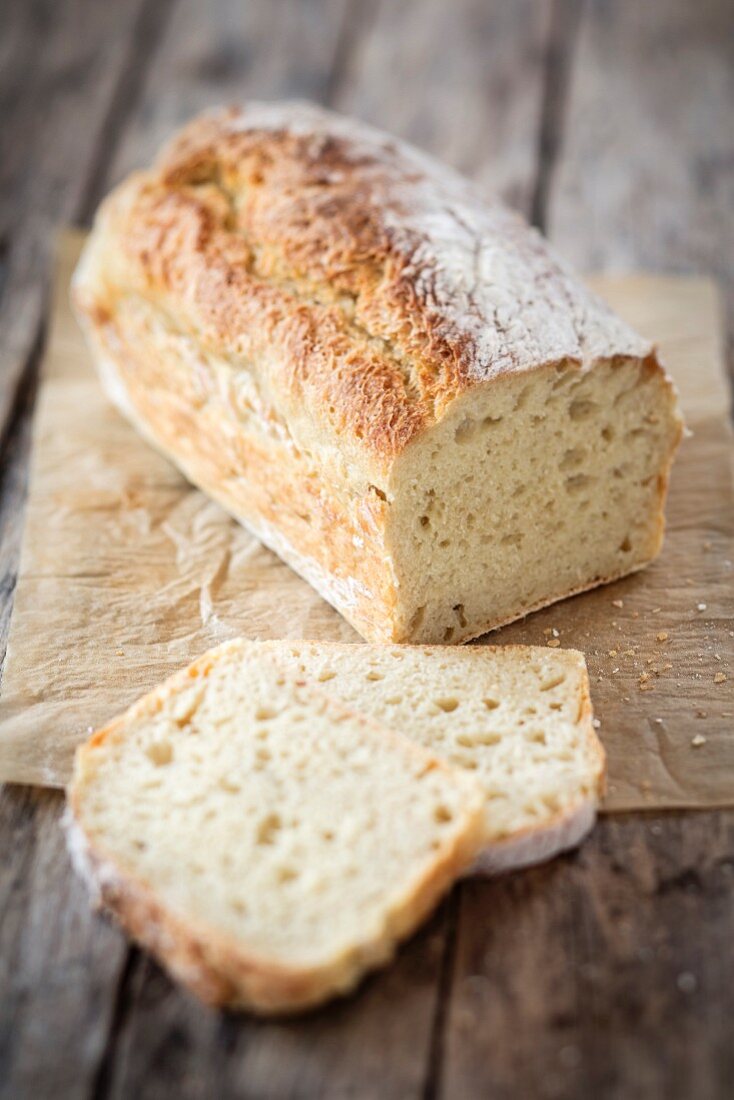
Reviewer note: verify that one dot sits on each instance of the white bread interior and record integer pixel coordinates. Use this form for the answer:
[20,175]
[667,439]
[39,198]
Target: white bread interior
[534,488]
[518,718]
[267,844]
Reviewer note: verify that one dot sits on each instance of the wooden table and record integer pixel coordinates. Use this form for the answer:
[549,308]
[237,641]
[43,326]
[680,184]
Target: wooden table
[606,974]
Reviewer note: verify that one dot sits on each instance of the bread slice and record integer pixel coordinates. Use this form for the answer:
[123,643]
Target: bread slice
[268,845]
[518,717]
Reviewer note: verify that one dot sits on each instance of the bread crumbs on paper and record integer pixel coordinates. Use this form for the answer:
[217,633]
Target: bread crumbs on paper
[662,636]
[698,740]
[720,678]
[701,606]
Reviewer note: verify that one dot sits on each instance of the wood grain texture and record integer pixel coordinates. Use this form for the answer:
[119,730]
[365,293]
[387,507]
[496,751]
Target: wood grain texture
[62,67]
[59,963]
[285,49]
[463,80]
[67,78]
[645,177]
[607,974]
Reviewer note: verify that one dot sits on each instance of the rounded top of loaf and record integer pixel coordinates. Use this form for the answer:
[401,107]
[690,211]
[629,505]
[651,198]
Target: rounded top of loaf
[365,284]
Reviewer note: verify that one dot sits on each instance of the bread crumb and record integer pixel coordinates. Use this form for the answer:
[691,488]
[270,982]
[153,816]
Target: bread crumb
[555,633]
[614,671]
[553,642]
[617,603]
[701,606]
[596,724]
[698,740]
[686,982]
[662,636]
[719,678]
[701,714]
[667,667]
[647,687]
[655,610]
[707,544]
[612,653]
[635,614]
[628,652]
[644,676]
[547,632]
[659,721]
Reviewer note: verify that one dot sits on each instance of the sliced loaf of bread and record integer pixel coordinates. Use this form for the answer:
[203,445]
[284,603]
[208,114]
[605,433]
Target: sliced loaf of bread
[267,844]
[518,717]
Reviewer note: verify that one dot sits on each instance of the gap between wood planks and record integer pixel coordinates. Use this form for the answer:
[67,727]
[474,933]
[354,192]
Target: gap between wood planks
[562,37]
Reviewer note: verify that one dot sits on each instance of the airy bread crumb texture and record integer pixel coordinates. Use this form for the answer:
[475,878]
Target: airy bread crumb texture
[267,844]
[390,379]
[538,488]
[518,718]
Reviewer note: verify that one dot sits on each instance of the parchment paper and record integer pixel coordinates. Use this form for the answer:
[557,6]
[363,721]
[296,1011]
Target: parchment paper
[128,573]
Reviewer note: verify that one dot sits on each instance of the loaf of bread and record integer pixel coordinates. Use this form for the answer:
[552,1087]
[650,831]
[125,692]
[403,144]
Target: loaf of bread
[266,844]
[518,718]
[393,382]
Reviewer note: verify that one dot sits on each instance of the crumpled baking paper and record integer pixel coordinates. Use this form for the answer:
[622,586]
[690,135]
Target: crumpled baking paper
[128,573]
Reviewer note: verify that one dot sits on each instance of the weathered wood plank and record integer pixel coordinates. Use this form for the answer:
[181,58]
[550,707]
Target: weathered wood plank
[59,964]
[227,52]
[607,973]
[370,1045]
[645,177]
[462,80]
[62,68]
[610,973]
[64,63]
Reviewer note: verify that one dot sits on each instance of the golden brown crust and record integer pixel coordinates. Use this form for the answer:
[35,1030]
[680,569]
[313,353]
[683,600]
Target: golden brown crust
[377,285]
[288,300]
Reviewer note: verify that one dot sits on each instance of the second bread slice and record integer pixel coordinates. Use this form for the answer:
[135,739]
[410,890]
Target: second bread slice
[517,717]
[266,843]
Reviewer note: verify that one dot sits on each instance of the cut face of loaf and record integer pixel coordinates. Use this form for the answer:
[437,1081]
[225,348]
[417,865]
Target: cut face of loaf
[536,488]
[518,718]
[268,845]
[395,383]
